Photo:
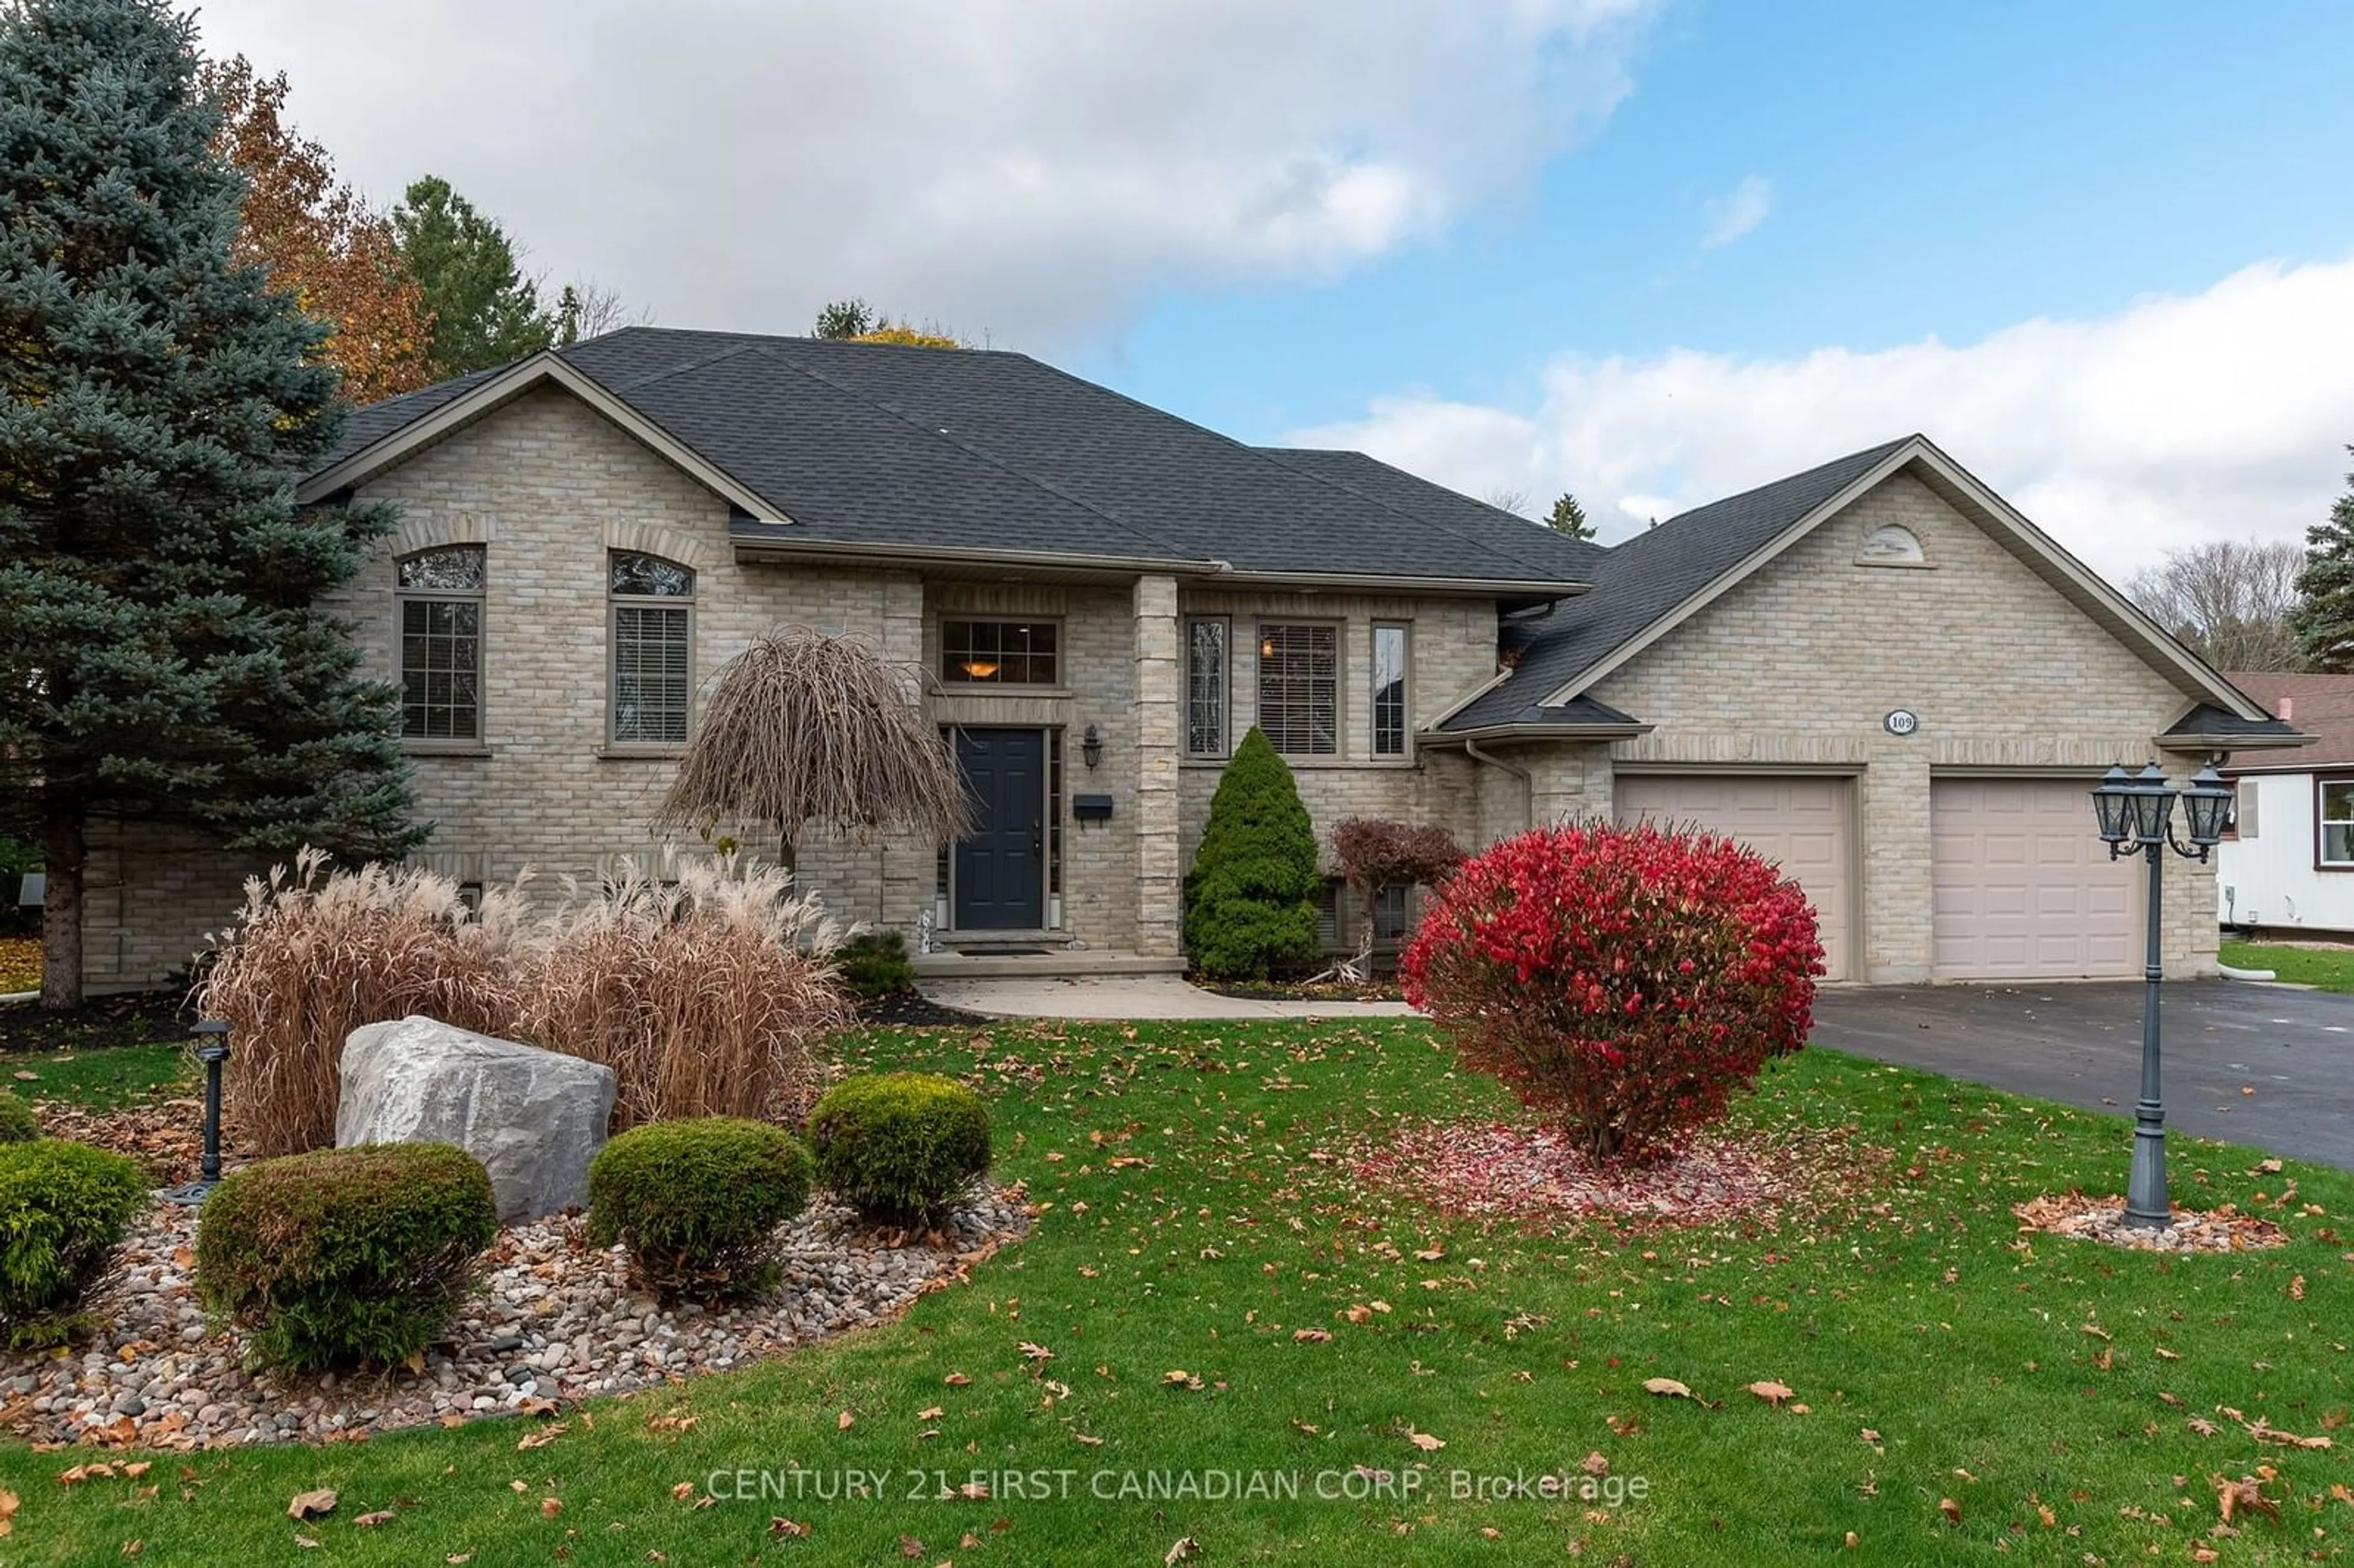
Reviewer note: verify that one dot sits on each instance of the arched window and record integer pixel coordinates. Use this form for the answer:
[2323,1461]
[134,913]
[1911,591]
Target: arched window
[653,628]
[439,595]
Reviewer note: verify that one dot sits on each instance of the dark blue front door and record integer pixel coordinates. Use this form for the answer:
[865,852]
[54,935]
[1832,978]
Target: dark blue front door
[1001,870]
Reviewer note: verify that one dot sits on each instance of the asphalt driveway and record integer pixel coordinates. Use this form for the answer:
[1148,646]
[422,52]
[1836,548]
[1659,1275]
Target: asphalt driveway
[2081,1043]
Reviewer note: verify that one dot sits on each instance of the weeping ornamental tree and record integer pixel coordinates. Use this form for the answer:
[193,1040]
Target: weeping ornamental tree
[804,730]
[160,658]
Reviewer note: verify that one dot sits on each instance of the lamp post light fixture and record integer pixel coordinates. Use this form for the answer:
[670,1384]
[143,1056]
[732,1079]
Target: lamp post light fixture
[213,1034]
[2136,812]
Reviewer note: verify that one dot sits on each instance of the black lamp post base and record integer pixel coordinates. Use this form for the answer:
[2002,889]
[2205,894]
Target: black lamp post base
[2146,1205]
[189,1195]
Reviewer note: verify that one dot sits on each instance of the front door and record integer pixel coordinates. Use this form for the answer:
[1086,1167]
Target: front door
[1001,869]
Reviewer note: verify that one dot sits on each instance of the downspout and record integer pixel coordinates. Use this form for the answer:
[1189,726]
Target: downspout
[1528,780]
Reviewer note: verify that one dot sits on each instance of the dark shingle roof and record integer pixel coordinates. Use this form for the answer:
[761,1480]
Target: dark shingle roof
[868,443]
[1649,576]
[1491,525]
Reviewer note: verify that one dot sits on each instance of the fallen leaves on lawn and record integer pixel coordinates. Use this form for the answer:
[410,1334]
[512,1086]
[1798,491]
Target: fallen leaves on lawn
[788,1529]
[1667,1385]
[1771,1392]
[2222,1229]
[1186,1546]
[955,1380]
[8,1506]
[842,1421]
[370,1521]
[1424,1441]
[1177,1377]
[1951,1509]
[544,1435]
[1484,1169]
[2245,1495]
[1311,1336]
[312,1504]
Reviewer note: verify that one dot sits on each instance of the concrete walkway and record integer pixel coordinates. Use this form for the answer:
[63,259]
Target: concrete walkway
[1130,997]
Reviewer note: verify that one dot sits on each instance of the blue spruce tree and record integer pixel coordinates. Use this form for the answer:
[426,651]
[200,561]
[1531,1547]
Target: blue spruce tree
[161,657]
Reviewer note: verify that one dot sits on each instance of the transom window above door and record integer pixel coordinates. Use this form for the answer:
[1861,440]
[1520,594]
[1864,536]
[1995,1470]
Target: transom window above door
[1000,652]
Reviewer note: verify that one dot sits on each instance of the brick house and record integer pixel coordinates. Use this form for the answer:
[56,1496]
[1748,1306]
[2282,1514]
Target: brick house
[1875,670]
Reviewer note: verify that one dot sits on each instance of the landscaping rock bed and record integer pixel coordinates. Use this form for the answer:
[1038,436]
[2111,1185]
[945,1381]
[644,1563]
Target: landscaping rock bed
[558,1322]
[2222,1229]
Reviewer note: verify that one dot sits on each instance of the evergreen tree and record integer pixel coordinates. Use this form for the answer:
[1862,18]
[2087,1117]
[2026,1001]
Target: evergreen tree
[160,657]
[485,311]
[843,318]
[1250,899]
[2324,620]
[1568,517]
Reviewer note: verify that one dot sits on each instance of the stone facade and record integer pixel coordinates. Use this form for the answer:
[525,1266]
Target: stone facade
[1796,666]
[1792,669]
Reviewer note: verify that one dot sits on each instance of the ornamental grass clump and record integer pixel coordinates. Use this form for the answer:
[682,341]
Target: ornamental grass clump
[63,1208]
[318,952]
[900,1147]
[346,1257]
[1626,982]
[697,1204]
[709,996]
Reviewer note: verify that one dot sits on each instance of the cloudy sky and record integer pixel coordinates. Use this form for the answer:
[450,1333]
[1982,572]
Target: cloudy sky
[1650,250]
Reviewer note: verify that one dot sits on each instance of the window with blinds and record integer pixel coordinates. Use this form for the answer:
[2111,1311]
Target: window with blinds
[1299,689]
[652,636]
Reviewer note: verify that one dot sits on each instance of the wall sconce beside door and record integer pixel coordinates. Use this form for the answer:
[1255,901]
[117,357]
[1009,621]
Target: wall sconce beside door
[1091,745]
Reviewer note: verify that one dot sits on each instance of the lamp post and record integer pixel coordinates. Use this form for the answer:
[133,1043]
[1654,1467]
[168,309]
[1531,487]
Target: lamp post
[2136,814]
[214,1050]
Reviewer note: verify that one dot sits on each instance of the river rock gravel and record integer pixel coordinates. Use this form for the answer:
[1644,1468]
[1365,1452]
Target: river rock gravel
[557,1322]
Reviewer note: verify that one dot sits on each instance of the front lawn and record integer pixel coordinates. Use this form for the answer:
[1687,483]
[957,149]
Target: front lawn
[1961,1392]
[2325,968]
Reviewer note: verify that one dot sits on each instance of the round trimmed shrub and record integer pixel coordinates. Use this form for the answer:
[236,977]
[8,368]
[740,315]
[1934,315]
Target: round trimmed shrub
[17,1122]
[63,1208]
[899,1147]
[1624,981]
[346,1257]
[1250,898]
[697,1203]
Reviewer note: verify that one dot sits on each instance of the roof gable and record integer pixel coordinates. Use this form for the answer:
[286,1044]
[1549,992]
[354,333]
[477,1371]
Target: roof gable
[1657,580]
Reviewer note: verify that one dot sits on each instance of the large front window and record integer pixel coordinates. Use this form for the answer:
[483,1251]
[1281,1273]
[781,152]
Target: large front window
[999,652]
[652,640]
[440,595]
[2337,822]
[1299,689]
[1206,686]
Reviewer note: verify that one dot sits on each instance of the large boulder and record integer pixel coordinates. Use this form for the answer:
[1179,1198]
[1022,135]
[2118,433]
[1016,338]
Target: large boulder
[534,1118]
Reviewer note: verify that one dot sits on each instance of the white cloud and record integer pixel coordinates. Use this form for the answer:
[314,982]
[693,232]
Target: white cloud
[2180,418]
[1735,213]
[1028,168]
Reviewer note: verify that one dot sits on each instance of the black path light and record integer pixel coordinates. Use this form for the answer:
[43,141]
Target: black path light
[213,1034]
[2136,814]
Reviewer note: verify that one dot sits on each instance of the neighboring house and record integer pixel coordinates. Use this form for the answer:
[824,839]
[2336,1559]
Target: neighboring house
[2289,864]
[1875,670]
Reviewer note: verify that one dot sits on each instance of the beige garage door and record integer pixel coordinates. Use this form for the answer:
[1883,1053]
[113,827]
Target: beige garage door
[1800,823]
[2022,889]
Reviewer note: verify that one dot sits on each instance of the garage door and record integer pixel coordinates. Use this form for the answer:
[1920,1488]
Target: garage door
[2022,889]
[1800,823]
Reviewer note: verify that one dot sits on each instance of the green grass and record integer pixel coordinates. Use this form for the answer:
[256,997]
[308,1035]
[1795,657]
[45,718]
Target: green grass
[1919,1316]
[2328,968]
[100,1079]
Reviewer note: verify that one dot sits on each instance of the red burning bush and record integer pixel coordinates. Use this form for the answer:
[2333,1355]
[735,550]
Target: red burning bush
[1624,981]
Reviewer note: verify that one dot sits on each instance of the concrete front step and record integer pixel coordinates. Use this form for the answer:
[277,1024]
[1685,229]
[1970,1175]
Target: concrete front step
[1055,963]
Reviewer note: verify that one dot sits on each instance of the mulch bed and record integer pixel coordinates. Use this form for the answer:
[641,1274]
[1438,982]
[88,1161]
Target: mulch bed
[2222,1229]
[1498,1171]
[1304,991]
[137,1018]
[911,1009]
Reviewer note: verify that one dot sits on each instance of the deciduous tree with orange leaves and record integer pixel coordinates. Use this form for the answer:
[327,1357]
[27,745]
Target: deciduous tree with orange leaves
[320,238]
